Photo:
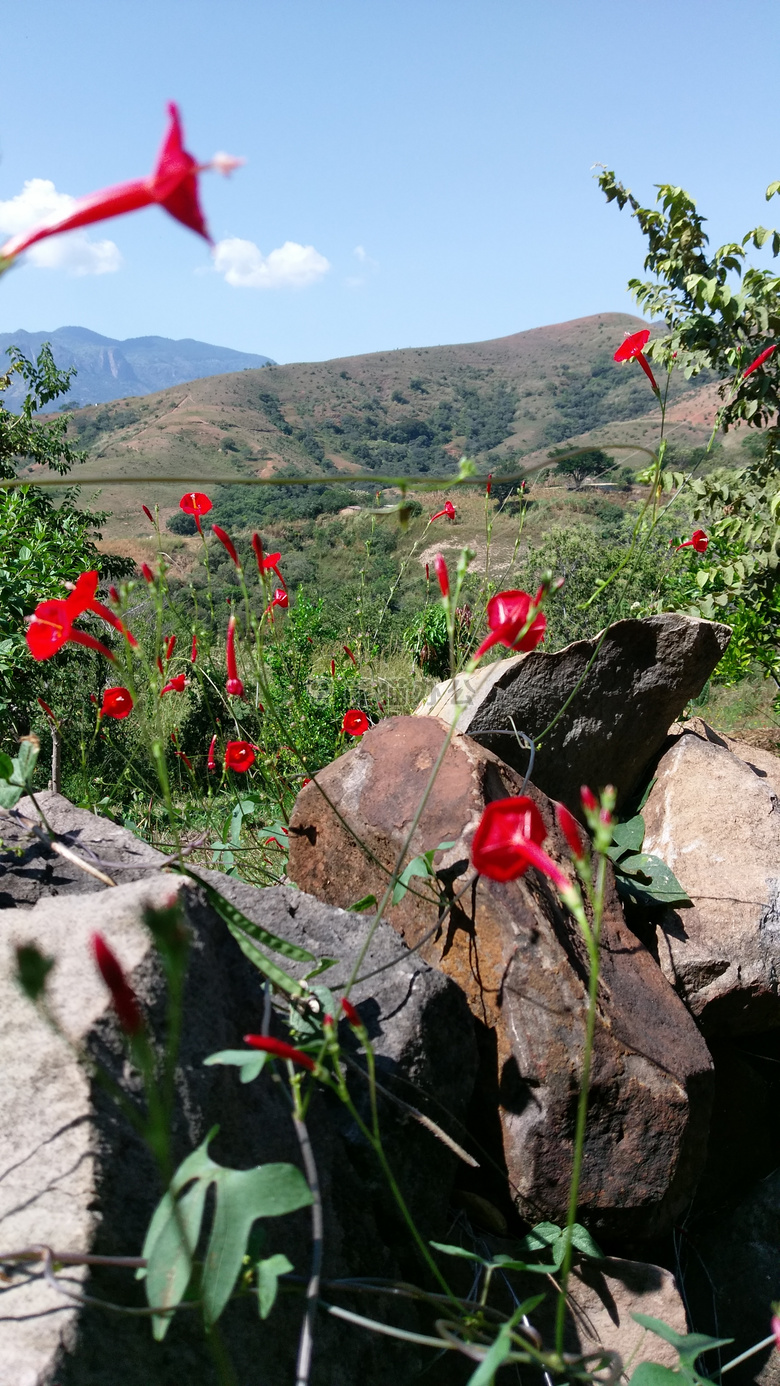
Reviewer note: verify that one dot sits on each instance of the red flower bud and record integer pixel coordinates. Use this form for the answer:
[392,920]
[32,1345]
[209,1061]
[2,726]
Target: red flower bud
[351,1012]
[123,997]
[194,648]
[227,543]
[588,799]
[212,761]
[235,687]
[147,572]
[442,575]
[280,1050]
[571,830]
[148,514]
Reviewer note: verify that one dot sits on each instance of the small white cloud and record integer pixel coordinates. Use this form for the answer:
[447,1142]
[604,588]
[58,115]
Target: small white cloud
[356,281]
[360,253]
[39,203]
[292,266]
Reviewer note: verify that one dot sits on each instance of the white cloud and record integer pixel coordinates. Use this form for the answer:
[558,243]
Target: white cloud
[40,203]
[369,266]
[292,266]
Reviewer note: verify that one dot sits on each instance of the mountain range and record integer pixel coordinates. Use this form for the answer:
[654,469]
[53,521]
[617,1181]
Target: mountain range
[110,369]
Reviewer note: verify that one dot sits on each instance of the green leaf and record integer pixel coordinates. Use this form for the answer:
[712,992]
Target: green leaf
[29,750]
[242,1196]
[10,794]
[6,766]
[629,836]
[235,918]
[502,1348]
[369,902]
[268,1273]
[582,1241]
[646,874]
[418,866]
[459,1251]
[653,1374]
[251,1062]
[688,1345]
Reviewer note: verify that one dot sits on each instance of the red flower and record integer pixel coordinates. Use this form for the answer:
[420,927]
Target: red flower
[147,572]
[123,997]
[175,685]
[173,184]
[588,800]
[48,712]
[352,1013]
[195,503]
[333,668]
[148,514]
[514,622]
[775,1327]
[226,543]
[113,594]
[280,598]
[489,484]
[239,755]
[633,349]
[268,563]
[697,541]
[449,511]
[234,685]
[212,761]
[194,648]
[280,1050]
[348,651]
[504,831]
[117,702]
[170,646]
[759,361]
[571,830]
[51,626]
[442,575]
[355,722]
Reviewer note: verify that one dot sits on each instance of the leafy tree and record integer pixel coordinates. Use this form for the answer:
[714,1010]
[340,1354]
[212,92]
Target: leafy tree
[580,465]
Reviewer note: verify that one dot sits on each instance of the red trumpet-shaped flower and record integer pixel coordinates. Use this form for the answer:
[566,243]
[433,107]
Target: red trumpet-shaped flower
[449,511]
[48,711]
[268,562]
[239,755]
[212,760]
[514,621]
[173,185]
[148,514]
[234,685]
[633,349]
[123,997]
[195,503]
[51,626]
[504,831]
[227,543]
[147,572]
[698,541]
[355,722]
[348,652]
[175,685]
[117,702]
[759,361]
[194,648]
[170,646]
[280,598]
[442,575]
[280,1050]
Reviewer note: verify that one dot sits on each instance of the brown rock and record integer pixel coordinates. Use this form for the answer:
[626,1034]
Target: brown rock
[603,1296]
[715,819]
[640,680]
[520,960]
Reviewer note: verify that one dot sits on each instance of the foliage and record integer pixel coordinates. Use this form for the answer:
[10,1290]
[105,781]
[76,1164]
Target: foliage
[580,465]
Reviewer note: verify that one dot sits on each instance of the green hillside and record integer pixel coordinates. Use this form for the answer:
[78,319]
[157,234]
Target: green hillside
[408,412]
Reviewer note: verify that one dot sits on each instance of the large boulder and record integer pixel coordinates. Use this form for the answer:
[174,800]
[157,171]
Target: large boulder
[608,702]
[520,960]
[714,818]
[77,1178]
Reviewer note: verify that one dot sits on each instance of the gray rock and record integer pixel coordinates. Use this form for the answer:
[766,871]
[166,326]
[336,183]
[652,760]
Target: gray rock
[641,679]
[716,822]
[520,961]
[30,871]
[74,1176]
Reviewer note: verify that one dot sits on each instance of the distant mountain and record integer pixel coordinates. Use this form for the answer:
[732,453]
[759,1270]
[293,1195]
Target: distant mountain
[110,369]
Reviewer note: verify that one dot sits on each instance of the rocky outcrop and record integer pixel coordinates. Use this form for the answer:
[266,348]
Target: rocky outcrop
[74,1176]
[625,692]
[520,961]
[714,818]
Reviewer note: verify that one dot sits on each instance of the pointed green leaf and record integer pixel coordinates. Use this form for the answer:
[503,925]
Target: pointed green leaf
[243,1195]
[653,1374]
[268,1273]
[629,836]
[251,1062]
[688,1345]
[582,1241]
[458,1251]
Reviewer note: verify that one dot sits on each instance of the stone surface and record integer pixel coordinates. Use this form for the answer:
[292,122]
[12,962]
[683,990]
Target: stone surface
[731,1268]
[520,961]
[641,679]
[74,1176]
[30,871]
[603,1296]
[715,820]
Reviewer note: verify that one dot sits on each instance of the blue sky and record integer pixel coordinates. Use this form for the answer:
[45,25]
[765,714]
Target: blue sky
[436,155]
